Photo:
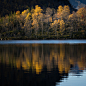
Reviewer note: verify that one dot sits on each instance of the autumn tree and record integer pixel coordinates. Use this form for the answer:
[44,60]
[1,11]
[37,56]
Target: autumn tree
[23,16]
[62,26]
[59,11]
[27,24]
[72,21]
[35,18]
[41,21]
[48,18]
[65,12]
[54,25]
[81,13]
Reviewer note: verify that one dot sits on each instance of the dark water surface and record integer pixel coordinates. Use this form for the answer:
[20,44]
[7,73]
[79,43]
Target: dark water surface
[43,64]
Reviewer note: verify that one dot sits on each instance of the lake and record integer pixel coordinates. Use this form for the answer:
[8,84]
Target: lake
[43,63]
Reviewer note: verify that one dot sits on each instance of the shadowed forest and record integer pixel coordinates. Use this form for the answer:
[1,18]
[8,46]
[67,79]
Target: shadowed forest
[9,6]
[36,23]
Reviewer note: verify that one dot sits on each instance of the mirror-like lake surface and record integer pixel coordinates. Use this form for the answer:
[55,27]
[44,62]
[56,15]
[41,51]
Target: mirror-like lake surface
[43,64]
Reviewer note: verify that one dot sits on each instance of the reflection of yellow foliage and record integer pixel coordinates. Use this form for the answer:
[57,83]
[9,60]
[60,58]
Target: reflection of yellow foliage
[71,61]
[67,69]
[38,68]
[52,55]
[24,65]
[27,60]
[37,60]
[62,52]
[60,66]
[80,64]
[18,64]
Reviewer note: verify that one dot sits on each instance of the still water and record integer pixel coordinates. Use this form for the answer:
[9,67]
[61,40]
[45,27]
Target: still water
[33,64]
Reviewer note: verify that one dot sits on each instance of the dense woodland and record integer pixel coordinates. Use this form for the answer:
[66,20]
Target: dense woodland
[36,23]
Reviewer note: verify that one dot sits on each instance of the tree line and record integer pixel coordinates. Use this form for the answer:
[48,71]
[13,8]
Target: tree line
[35,23]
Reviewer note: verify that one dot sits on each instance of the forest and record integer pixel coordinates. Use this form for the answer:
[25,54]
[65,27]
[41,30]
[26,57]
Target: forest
[36,23]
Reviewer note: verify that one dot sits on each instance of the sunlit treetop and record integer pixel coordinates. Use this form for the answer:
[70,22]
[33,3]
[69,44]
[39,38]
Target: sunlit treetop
[66,8]
[60,9]
[25,12]
[37,9]
[49,11]
[17,12]
[81,11]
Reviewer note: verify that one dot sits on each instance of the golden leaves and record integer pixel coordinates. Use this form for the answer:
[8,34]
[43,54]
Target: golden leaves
[60,9]
[37,9]
[70,16]
[66,8]
[54,23]
[17,12]
[62,23]
[63,11]
[81,11]
[25,12]
[34,22]
[28,16]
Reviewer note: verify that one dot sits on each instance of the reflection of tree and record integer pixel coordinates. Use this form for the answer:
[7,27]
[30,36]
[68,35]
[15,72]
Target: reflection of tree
[37,56]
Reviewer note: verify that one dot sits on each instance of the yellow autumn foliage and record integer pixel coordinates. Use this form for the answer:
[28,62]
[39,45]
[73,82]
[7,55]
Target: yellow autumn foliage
[28,16]
[34,22]
[62,23]
[38,68]
[60,9]
[58,20]
[37,9]
[25,12]
[70,16]
[54,23]
[81,11]
[66,8]
[17,12]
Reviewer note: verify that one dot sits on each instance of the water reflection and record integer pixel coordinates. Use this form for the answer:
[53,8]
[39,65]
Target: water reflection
[40,64]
